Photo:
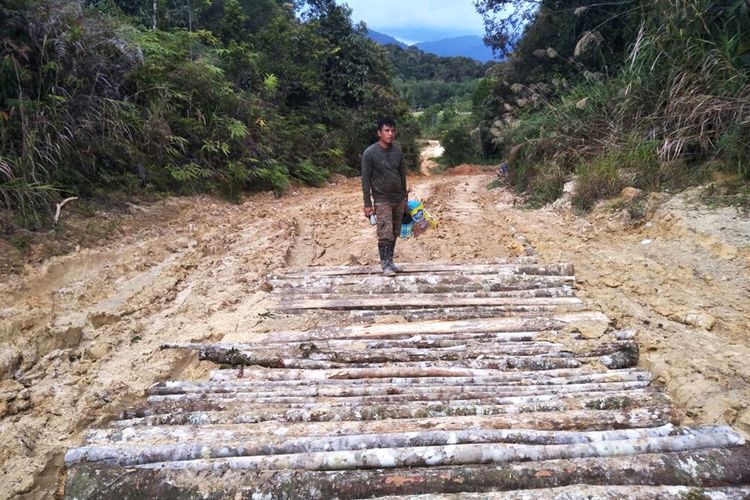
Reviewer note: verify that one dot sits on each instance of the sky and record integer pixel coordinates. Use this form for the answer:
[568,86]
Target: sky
[412,21]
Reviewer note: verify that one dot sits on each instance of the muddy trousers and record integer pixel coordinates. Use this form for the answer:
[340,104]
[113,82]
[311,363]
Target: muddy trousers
[389,228]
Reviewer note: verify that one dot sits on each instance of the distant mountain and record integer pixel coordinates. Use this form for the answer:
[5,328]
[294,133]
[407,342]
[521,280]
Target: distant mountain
[463,46]
[384,39]
[467,46]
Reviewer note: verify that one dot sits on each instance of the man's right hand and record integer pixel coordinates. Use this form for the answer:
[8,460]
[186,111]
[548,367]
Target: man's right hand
[369,211]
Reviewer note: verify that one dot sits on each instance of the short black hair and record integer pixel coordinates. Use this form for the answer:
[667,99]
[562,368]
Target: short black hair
[386,120]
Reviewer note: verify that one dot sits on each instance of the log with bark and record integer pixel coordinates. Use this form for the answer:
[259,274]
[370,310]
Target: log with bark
[439,391]
[517,286]
[514,328]
[234,384]
[609,492]
[562,376]
[707,467]
[510,445]
[255,411]
[535,296]
[259,434]
[435,268]
[383,373]
[402,301]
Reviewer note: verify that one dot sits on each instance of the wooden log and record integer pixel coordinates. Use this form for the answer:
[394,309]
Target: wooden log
[402,407]
[618,355]
[564,376]
[552,416]
[407,300]
[388,372]
[472,341]
[233,383]
[353,353]
[459,454]
[340,391]
[609,492]
[270,357]
[258,435]
[438,293]
[558,287]
[519,337]
[237,358]
[492,395]
[515,328]
[690,468]
[452,268]
[435,269]
[556,422]
[168,448]
[413,314]
[487,282]
[423,266]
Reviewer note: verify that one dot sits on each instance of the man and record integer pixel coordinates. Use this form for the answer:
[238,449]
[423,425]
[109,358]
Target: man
[384,182]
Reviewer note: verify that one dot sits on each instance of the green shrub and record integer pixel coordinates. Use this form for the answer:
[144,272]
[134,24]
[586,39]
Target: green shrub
[309,173]
[546,186]
[596,180]
[459,146]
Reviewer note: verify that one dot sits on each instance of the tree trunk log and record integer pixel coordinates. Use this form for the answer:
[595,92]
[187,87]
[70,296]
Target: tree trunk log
[438,293]
[514,328]
[336,410]
[348,392]
[412,282]
[573,420]
[409,300]
[564,376]
[258,434]
[557,416]
[706,468]
[168,446]
[508,268]
[368,453]
[478,383]
[388,372]
[237,358]
[599,492]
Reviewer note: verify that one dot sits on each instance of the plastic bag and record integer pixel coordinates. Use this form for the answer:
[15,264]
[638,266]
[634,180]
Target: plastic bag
[421,220]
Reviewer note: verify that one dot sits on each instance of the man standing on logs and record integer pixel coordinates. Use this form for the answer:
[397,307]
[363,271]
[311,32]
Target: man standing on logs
[384,181]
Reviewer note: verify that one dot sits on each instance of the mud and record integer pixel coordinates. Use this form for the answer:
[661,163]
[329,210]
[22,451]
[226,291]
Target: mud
[80,333]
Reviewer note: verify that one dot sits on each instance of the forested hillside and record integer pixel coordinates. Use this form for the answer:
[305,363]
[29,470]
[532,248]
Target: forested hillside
[226,96]
[183,96]
[425,79]
[648,93]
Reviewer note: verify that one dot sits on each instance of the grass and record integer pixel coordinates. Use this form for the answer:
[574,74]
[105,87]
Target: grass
[733,193]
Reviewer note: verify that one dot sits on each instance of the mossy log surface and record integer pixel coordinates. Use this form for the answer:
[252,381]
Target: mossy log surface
[710,467]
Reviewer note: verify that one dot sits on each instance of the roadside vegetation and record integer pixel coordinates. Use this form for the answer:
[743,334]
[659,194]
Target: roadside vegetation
[650,94]
[223,96]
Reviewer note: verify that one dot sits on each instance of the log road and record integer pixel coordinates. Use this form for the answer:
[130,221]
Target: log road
[450,380]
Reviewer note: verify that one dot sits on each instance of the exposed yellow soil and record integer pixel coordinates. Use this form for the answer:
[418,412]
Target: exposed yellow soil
[80,333]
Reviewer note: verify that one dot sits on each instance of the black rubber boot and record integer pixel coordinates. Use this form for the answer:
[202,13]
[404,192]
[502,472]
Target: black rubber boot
[391,252]
[385,257]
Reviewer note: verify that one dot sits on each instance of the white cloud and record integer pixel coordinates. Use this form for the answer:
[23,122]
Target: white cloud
[458,16]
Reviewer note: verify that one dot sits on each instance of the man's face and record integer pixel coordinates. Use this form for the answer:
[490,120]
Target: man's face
[386,134]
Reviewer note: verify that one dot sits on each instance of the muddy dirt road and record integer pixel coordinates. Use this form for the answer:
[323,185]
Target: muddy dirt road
[80,333]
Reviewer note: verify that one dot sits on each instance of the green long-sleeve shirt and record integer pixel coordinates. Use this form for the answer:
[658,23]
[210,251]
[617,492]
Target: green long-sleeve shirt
[383,175]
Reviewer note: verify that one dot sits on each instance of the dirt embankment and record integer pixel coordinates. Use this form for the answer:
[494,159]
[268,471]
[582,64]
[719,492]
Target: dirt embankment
[80,333]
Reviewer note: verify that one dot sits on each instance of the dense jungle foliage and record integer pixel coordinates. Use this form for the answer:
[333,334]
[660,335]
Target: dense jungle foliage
[648,93]
[184,96]
[425,80]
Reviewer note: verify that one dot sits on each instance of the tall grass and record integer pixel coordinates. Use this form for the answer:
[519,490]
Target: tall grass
[679,101]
